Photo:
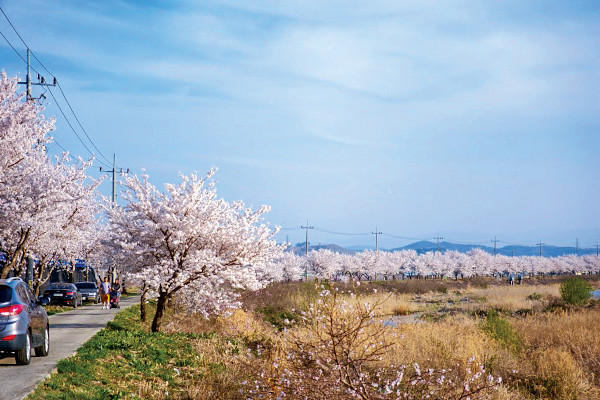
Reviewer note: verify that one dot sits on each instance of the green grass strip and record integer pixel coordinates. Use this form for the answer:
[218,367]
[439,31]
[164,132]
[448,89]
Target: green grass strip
[126,360]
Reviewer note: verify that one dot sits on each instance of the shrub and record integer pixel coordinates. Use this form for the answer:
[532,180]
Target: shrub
[575,291]
[337,352]
[535,296]
[499,329]
[442,289]
[277,316]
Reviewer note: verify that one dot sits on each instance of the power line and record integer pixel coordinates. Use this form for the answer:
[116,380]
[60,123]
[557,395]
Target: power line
[404,237]
[59,87]
[73,129]
[59,145]
[77,119]
[341,233]
[14,49]
[14,29]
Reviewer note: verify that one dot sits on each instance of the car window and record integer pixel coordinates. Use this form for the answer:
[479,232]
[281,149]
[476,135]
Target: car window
[30,293]
[86,285]
[5,294]
[20,289]
[55,286]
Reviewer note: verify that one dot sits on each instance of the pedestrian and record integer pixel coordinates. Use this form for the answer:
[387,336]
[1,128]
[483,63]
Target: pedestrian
[115,289]
[104,293]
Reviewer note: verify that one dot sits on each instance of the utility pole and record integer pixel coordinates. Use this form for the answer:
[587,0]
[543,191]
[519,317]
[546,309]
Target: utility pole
[495,241]
[540,244]
[577,246]
[438,238]
[307,227]
[41,81]
[114,171]
[376,233]
[597,246]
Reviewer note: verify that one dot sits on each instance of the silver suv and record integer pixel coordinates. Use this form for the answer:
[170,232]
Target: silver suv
[23,322]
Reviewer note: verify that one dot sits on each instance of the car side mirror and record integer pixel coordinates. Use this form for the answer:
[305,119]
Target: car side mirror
[43,301]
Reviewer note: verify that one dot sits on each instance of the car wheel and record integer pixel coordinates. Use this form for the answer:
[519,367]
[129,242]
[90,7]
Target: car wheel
[44,349]
[23,356]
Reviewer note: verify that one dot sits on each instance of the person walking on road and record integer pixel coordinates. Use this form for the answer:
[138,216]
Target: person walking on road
[104,293]
[115,291]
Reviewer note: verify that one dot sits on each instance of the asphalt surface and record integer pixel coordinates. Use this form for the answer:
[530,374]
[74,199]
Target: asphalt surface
[68,331]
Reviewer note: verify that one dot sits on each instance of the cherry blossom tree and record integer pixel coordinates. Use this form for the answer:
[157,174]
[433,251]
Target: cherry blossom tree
[186,240]
[23,130]
[288,267]
[45,203]
[324,263]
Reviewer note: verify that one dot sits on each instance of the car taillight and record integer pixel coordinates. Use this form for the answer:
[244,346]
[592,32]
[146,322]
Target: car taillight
[9,337]
[11,311]
[70,293]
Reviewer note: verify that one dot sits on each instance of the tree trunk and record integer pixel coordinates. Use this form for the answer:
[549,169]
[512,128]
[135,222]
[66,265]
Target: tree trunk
[13,258]
[143,304]
[163,297]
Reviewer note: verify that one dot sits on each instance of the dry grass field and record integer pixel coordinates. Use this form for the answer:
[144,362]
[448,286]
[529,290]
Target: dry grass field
[415,339]
[529,344]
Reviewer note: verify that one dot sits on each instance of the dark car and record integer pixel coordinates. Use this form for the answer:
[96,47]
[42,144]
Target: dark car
[23,322]
[89,291]
[64,294]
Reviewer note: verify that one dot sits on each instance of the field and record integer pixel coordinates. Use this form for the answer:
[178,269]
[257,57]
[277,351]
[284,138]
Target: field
[444,339]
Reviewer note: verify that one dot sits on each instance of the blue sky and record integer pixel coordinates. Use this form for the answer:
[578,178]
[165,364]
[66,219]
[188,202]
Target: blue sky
[467,119]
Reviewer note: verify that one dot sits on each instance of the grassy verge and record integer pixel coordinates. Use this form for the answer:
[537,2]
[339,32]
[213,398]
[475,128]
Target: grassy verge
[125,359]
[51,310]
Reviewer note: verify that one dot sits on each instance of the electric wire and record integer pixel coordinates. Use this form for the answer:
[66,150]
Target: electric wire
[73,129]
[13,47]
[80,125]
[341,233]
[58,84]
[59,145]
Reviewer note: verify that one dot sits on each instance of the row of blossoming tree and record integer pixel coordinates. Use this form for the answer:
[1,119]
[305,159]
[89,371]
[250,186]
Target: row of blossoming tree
[48,206]
[183,241]
[369,265]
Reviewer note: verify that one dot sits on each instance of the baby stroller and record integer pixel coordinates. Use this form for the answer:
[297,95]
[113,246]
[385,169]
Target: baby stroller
[114,299]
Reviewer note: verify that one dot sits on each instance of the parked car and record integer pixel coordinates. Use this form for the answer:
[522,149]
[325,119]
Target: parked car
[23,322]
[89,291]
[64,294]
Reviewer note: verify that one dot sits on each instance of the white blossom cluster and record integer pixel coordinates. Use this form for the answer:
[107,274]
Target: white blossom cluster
[189,242]
[326,264]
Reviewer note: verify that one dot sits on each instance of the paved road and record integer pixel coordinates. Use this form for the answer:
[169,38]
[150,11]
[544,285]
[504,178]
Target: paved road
[68,331]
